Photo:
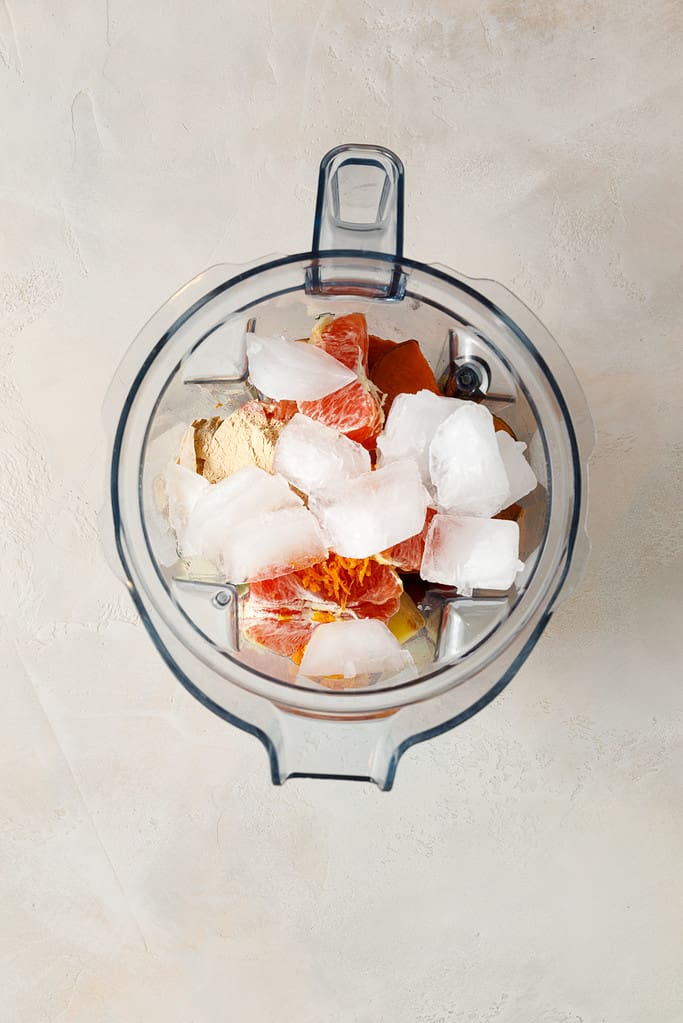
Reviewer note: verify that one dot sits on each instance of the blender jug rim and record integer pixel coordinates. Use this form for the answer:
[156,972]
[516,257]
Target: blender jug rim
[349,696]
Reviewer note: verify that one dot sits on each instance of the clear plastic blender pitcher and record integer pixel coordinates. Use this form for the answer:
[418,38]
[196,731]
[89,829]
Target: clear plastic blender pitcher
[480,340]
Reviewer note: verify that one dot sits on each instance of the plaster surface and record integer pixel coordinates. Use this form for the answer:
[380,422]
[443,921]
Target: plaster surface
[526,867]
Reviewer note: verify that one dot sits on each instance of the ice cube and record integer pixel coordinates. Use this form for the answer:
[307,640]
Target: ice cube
[224,505]
[352,648]
[410,426]
[466,465]
[471,553]
[269,545]
[183,489]
[368,514]
[521,478]
[313,456]
[294,370]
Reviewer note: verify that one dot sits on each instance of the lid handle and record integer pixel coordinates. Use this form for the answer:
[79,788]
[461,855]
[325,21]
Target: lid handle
[360,201]
[359,211]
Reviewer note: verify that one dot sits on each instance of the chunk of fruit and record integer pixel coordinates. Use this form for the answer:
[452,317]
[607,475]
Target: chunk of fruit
[345,338]
[354,410]
[403,370]
[377,347]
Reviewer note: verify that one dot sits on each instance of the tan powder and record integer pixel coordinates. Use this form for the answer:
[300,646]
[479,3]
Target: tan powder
[204,430]
[247,437]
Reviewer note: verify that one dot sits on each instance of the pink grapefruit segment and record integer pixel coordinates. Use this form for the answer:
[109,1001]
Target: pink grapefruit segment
[354,410]
[345,338]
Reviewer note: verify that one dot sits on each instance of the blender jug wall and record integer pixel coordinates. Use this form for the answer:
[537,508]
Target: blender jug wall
[177,370]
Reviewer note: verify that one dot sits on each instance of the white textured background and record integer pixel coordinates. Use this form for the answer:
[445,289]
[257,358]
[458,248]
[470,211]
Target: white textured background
[526,868]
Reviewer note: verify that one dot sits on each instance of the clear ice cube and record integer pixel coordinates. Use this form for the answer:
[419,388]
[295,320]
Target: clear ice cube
[351,648]
[271,544]
[368,514]
[521,478]
[294,370]
[465,464]
[224,505]
[313,456]
[471,553]
[412,422]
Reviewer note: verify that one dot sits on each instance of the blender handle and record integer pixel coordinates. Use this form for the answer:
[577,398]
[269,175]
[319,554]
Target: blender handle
[359,211]
[360,201]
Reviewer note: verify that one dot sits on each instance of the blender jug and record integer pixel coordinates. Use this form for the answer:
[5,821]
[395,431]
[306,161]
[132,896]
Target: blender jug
[481,342]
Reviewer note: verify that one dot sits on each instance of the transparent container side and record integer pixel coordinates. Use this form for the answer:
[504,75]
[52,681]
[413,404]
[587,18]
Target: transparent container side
[188,365]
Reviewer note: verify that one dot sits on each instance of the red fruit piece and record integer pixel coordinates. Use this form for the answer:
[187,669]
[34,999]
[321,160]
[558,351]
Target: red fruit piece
[377,347]
[287,637]
[281,613]
[354,410]
[281,411]
[345,338]
[403,370]
[360,586]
